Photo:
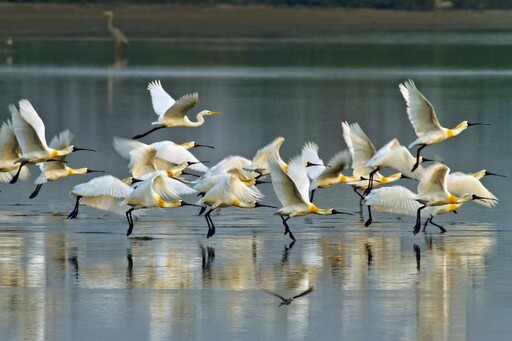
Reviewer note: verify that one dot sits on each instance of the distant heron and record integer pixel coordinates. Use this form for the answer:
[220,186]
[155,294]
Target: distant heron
[116,33]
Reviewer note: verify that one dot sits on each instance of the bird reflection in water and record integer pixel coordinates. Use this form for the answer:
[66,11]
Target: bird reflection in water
[288,301]
[417,251]
[207,257]
[129,268]
[369,253]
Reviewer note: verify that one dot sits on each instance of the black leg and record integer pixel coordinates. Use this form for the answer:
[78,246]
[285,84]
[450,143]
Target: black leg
[443,230]
[130,221]
[36,191]
[211,226]
[312,195]
[425,225]
[369,221]
[15,177]
[418,157]
[147,133]
[287,228]
[74,213]
[418,220]
[370,182]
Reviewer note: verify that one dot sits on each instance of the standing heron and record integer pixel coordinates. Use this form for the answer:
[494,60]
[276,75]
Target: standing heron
[116,33]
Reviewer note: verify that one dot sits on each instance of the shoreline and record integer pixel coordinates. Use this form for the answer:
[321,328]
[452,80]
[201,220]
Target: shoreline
[86,20]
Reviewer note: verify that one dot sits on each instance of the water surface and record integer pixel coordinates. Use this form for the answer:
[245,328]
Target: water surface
[84,279]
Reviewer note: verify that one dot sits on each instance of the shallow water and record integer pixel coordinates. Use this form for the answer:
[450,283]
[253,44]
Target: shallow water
[84,279]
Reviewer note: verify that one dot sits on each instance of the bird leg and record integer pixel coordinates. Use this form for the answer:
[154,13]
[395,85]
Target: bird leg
[130,221]
[418,220]
[74,213]
[425,225]
[15,177]
[136,137]
[211,226]
[443,230]
[287,228]
[369,221]
[36,191]
[418,157]
[370,182]
[312,195]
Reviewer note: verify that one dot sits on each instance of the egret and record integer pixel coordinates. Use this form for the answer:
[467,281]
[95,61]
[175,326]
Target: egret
[158,190]
[424,120]
[292,190]
[323,176]
[172,113]
[51,171]
[229,191]
[9,153]
[30,133]
[117,34]
[288,301]
[105,193]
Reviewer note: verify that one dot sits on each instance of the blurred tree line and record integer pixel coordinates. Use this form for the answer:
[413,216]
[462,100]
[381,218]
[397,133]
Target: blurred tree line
[383,4]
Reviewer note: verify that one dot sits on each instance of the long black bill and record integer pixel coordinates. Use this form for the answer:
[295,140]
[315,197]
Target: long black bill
[190,163]
[136,137]
[311,164]
[94,171]
[494,174]
[262,205]
[203,145]
[477,124]
[201,211]
[339,212]
[477,197]
[76,149]
[183,203]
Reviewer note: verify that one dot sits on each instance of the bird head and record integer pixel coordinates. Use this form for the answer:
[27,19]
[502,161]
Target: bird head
[208,112]
[108,13]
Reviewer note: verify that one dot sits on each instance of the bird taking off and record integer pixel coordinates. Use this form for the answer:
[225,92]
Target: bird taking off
[424,120]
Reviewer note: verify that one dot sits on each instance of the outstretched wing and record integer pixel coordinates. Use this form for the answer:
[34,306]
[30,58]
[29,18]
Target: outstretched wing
[304,293]
[30,116]
[160,99]
[284,187]
[180,108]
[421,113]
[273,294]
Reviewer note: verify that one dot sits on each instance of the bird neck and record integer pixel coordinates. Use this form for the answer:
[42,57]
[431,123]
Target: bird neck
[109,22]
[72,171]
[199,120]
[168,204]
[322,211]
[457,130]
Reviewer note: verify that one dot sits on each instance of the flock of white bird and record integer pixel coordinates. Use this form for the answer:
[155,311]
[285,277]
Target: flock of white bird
[161,172]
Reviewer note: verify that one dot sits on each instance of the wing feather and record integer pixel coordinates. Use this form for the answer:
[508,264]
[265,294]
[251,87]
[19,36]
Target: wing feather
[284,187]
[180,108]
[160,99]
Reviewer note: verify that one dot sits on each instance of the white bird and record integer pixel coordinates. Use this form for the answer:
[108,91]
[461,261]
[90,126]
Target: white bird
[459,183]
[424,120]
[51,171]
[168,155]
[158,190]
[30,133]
[172,113]
[260,159]
[323,176]
[105,193]
[9,153]
[292,190]
[117,34]
[400,200]
[229,191]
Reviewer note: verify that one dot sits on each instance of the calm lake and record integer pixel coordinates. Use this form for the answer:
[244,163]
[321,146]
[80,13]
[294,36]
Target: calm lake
[84,279]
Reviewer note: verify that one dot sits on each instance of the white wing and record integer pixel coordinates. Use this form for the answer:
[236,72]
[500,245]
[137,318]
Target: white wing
[434,181]
[105,203]
[284,187]
[421,113]
[339,162]
[310,154]
[9,148]
[173,153]
[362,149]
[62,140]
[180,108]
[260,159]
[25,134]
[229,163]
[393,155]
[125,146]
[169,188]
[160,99]
[142,161]
[393,199]
[106,185]
[30,116]
[459,184]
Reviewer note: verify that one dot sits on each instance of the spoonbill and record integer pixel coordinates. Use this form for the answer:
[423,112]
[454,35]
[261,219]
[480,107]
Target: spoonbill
[51,171]
[229,191]
[157,190]
[288,301]
[424,120]
[104,192]
[323,176]
[172,113]
[9,153]
[30,133]
[292,190]
[260,159]
[117,34]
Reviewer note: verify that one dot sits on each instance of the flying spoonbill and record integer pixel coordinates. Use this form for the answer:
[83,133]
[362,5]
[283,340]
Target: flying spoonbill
[424,120]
